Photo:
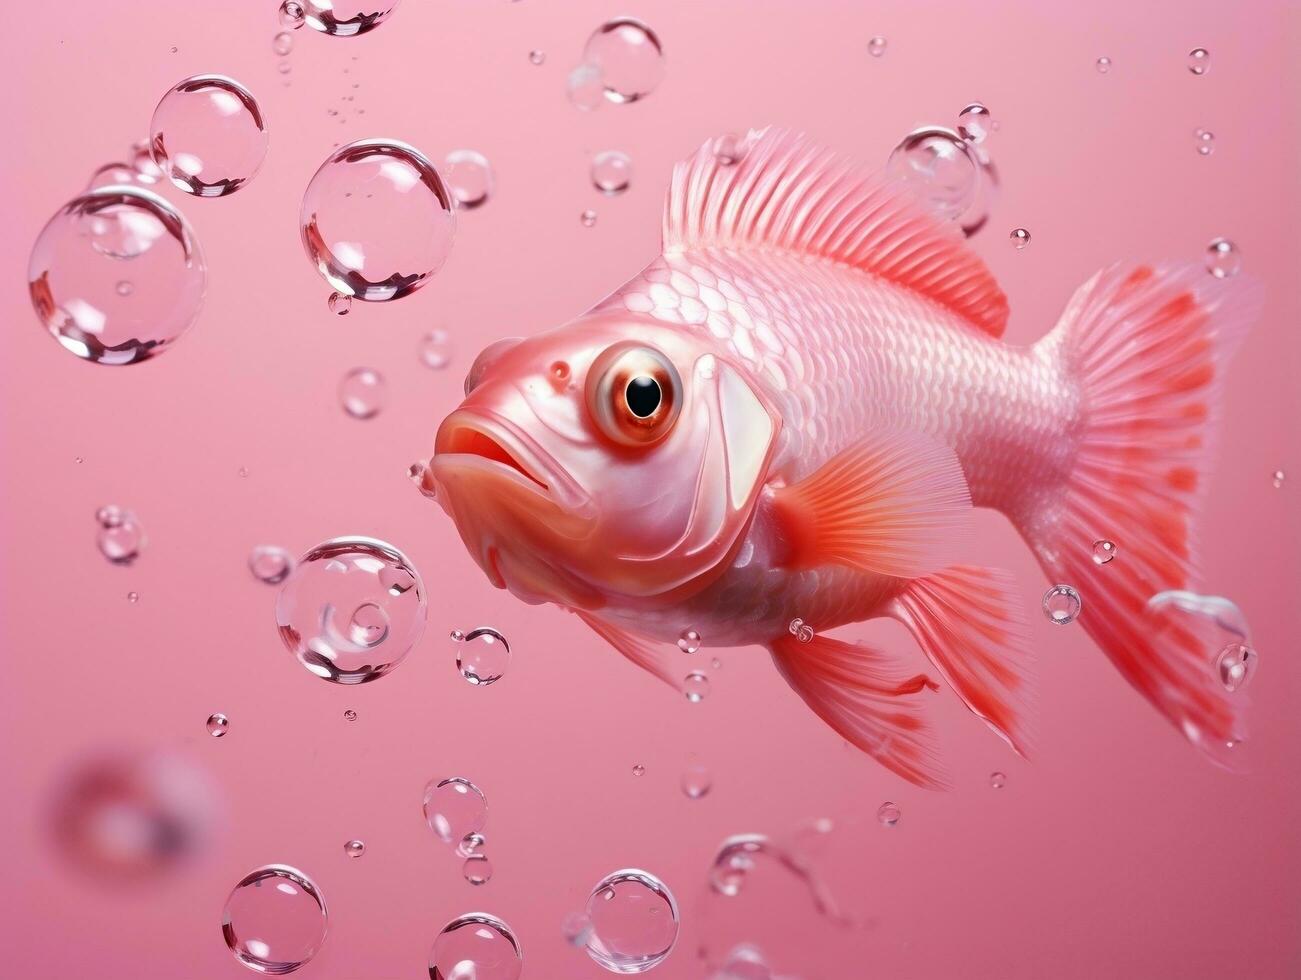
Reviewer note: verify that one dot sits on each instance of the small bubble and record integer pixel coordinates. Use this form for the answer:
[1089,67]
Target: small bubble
[218,725]
[270,564]
[729,149]
[888,814]
[1236,666]
[470,178]
[80,460]
[121,537]
[1223,259]
[695,686]
[997,780]
[1103,551]
[611,172]
[1061,604]
[974,123]
[349,715]
[175,49]
[282,43]
[1020,238]
[696,781]
[477,870]
[876,46]
[1103,65]
[284,67]
[1199,61]
[354,848]
[292,14]
[243,471]
[689,641]
[537,56]
[1204,140]
[716,663]
[482,655]
[339,304]
[471,845]
[133,597]
[629,56]
[585,88]
[639,770]
[436,349]
[588,218]
[124,287]
[1279,477]
[362,392]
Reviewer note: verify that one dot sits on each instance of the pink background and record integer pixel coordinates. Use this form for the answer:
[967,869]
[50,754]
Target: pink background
[1117,852]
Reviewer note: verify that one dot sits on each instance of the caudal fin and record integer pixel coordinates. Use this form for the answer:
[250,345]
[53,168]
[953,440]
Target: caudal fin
[1145,347]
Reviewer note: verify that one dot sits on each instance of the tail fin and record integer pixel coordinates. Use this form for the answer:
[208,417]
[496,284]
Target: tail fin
[1146,348]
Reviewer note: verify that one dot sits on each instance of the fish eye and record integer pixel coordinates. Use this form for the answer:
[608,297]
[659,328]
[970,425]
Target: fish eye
[634,394]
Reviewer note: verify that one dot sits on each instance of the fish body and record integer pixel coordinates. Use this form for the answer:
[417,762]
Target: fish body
[790,413]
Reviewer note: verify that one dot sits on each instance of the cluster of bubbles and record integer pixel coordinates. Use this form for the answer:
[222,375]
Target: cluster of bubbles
[482,655]
[801,630]
[457,811]
[120,538]
[623,61]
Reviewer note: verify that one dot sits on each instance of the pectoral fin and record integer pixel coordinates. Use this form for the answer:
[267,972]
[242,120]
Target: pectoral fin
[646,654]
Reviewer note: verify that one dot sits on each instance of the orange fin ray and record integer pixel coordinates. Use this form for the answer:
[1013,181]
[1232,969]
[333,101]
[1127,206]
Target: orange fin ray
[647,654]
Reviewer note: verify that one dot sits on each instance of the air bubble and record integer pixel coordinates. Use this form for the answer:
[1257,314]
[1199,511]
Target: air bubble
[695,686]
[629,56]
[876,46]
[696,781]
[339,304]
[363,393]
[611,172]
[585,88]
[888,814]
[218,725]
[1061,604]
[476,946]
[1103,551]
[275,920]
[1103,65]
[1204,140]
[469,176]
[121,538]
[354,848]
[1020,238]
[482,655]
[689,641]
[270,564]
[454,808]
[634,922]
[477,869]
[1223,260]
[346,18]
[588,218]
[1199,61]
[974,123]
[436,349]
[1236,666]
[208,136]
[997,780]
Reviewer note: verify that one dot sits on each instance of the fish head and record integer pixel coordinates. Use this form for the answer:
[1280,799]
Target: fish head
[613,460]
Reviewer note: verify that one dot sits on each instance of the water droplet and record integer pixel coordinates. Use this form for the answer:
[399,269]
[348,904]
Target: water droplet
[1278,478]
[537,56]
[455,808]
[346,18]
[82,254]
[588,218]
[729,149]
[629,56]
[888,814]
[354,848]
[1103,65]
[696,781]
[801,630]
[1103,551]
[477,870]
[1020,238]
[689,641]
[695,686]
[576,928]
[218,725]
[326,592]
[639,770]
[377,220]
[1199,61]
[1061,604]
[634,921]
[948,173]
[133,597]
[121,538]
[1204,140]
[997,780]
[470,845]
[611,172]
[1223,259]
[208,135]
[275,920]
[282,43]
[974,123]
[270,564]
[476,946]
[339,304]
[586,88]
[1236,666]
[436,349]
[482,655]
[292,14]
[363,392]
[470,177]
[349,715]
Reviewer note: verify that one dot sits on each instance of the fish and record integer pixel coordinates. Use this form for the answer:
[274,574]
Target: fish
[791,413]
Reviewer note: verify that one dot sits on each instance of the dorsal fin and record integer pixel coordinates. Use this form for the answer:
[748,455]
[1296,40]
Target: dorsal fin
[785,192]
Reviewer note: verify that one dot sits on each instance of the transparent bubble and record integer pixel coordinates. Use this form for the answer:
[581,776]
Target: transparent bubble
[1235,666]
[1061,604]
[469,176]
[270,564]
[1103,551]
[346,18]
[363,393]
[974,123]
[476,946]
[218,725]
[482,655]
[377,220]
[638,770]
[1223,259]
[282,43]
[888,814]
[997,780]
[112,174]
[328,605]
[801,630]
[121,538]
[716,663]
[587,218]
[943,169]
[576,929]
[292,14]
[1277,479]
[126,816]
[208,135]
[93,243]
[1103,65]
[537,56]
[471,845]
[696,781]
[634,921]
[454,808]
[629,57]
[1020,238]
[436,349]
[585,88]
[349,715]
[275,920]
[876,46]
[611,172]
[354,848]
[1204,140]
[745,962]
[695,686]
[729,149]
[689,641]
[133,597]
[1214,610]
[1199,61]
[339,304]
[477,869]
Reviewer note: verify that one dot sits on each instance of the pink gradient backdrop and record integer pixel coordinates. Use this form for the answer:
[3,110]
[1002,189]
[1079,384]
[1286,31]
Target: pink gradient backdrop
[1117,852]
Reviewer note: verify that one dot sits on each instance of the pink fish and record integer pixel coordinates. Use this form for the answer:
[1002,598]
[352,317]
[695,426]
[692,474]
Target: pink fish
[790,414]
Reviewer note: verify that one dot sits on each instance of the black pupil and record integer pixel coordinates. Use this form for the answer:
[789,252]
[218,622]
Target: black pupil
[643,396]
